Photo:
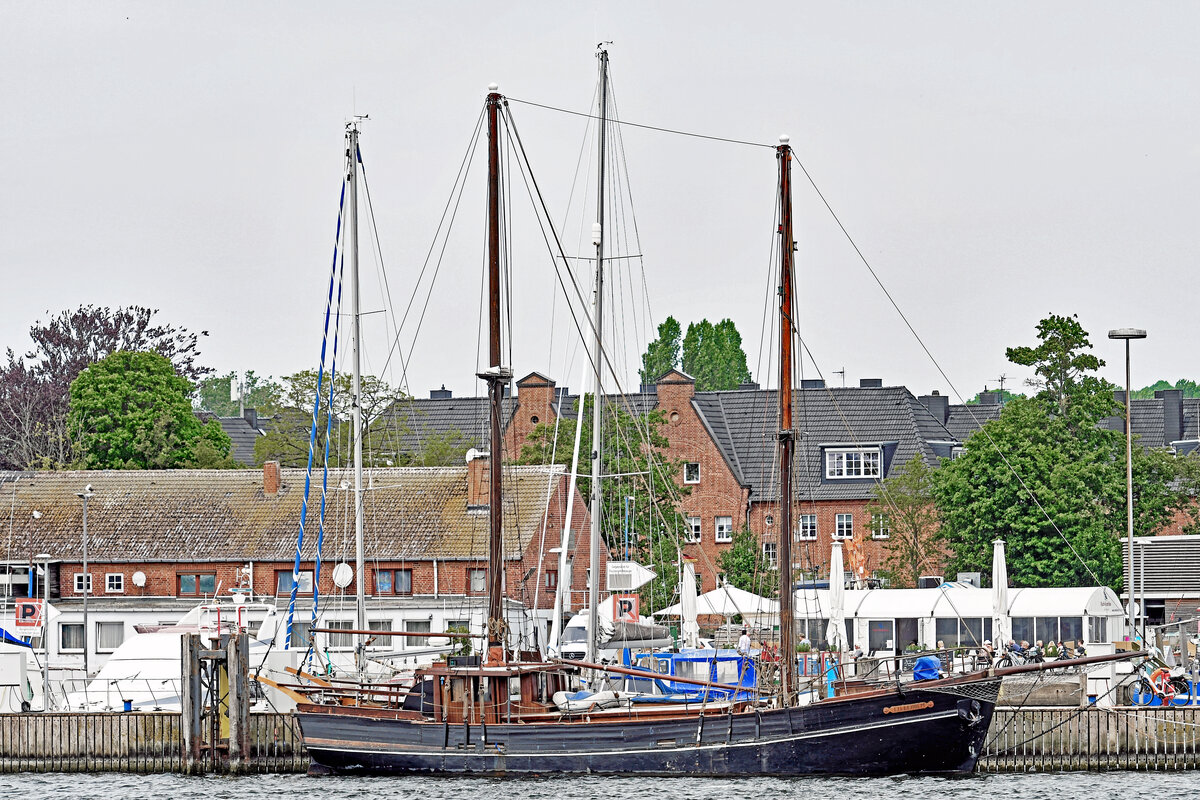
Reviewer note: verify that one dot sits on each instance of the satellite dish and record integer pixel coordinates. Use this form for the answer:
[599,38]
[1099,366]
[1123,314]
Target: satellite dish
[139,579]
[343,574]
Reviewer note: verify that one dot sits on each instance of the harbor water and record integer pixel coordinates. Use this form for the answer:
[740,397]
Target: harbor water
[1127,785]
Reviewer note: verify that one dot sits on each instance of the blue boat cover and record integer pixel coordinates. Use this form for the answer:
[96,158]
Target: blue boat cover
[927,668]
[5,636]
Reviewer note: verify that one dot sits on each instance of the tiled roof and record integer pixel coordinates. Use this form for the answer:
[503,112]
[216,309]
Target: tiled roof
[223,515]
[965,420]
[418,419]
[242,435]
[743,424]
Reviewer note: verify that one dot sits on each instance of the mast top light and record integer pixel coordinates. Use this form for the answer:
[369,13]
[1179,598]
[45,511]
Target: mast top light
[784,138]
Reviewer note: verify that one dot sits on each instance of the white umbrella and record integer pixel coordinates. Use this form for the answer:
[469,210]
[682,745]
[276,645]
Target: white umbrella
[726,601]
[687,591]
[835,634]
[1001,627]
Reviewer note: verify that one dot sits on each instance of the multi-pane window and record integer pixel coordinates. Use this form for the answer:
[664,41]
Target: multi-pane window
[194,584]
[340,641]
[691,472]
[83,583]
[301,634]
[808,527]
[852,463]
[109,636]
[551,579]
[70,636]
[283,582]
[114,583]
[477,580]
[881,526]
[380,641]
[692,534]
[845,527]
[393,581]
[724,529]
[771,554]
[417,626]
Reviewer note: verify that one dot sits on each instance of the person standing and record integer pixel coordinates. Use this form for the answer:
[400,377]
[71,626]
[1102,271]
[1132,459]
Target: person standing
[743,643]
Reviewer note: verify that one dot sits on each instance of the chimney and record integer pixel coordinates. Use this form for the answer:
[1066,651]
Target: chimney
[1172,410]
[812,383]
[271,478]
[870,383]
[938,405]
[251,416]
[987,398]
[478,479]
[748,386]
[440,394]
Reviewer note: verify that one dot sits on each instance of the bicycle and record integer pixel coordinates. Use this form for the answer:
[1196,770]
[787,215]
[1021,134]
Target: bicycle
[1157,683]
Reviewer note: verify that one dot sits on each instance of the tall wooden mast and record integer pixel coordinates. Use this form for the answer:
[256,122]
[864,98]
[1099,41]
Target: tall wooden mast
[593,628]
[497,377]
[787,247]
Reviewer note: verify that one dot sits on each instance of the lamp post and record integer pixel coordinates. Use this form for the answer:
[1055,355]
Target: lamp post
[85,495]
[46,693]
[1128,334]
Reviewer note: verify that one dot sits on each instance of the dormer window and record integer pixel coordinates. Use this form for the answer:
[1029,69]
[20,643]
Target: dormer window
[853,462]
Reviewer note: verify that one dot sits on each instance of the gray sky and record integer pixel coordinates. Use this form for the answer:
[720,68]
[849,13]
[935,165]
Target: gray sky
[994,165]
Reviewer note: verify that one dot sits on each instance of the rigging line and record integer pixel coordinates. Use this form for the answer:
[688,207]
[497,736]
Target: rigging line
[646,127]
[938,367]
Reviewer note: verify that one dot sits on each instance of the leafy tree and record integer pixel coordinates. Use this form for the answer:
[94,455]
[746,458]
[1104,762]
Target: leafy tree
[1189,388]
[713,355]
[1047,478]
[1061,364]
[905,504]
[34,387]
[662,354]
[131,411]
[214,392]
[635,449]
[745,566]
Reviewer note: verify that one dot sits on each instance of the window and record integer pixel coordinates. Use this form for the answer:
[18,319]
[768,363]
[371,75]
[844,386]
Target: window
[393,581]
[417,626]
[692,534]
[852,463]
[114,583]
[301,634]
[771,554]
[109,636]
[80,583]
[70,636]
[724,529]
[808,527]
[880,635]
[551,578]
[476,581]
[845,527]
[283,582]
[1022,630]
[881,526]
[1099,629]
[381,641]
[194,584]
[691,472]
[340,641]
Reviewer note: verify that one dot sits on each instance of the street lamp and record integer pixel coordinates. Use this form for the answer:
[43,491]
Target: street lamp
[1128,334]
[46,693]
[86,495]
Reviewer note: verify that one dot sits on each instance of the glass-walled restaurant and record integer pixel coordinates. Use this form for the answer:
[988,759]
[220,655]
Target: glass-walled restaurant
[885,622]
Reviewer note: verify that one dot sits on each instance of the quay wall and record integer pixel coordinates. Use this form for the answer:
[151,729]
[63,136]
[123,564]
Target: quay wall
[135,742]
[1027,740]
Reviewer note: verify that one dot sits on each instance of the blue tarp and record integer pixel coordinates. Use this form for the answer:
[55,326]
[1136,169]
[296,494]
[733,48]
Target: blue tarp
[5,636]
[927,668]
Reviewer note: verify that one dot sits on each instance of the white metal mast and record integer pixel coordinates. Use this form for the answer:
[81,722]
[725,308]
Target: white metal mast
[360,600]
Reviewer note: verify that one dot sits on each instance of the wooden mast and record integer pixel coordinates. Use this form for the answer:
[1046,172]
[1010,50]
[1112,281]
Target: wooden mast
[787,247]
[496,377]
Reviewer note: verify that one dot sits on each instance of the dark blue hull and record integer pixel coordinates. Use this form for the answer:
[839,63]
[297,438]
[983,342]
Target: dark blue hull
[936,729]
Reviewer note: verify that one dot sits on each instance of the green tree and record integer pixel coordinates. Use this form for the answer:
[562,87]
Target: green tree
[1049,479]
[745,565]
[131,411]
[713,355]
[904,503]
[662,354]
[1189,389]
[213,393]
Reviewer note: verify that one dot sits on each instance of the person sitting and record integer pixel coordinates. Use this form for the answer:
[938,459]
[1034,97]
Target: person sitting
[986,654]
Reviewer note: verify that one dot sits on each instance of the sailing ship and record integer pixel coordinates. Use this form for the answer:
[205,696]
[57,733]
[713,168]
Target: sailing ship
[495,714]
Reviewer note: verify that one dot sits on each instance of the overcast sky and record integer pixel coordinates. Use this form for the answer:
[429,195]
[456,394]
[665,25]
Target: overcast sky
[995,163]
